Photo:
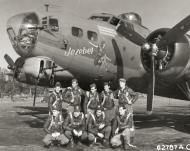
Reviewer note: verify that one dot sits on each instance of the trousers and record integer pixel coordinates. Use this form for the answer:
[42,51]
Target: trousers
[48,139]
[106,131]
[70,135]
[117,139]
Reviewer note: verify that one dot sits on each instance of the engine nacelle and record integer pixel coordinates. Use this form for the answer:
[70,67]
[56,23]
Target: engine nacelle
[35,68]
[172,60]
[42,69]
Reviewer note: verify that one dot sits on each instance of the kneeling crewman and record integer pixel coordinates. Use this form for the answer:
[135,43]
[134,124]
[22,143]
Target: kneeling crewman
[121,128]
[74,126]
[98,127]
[54,130]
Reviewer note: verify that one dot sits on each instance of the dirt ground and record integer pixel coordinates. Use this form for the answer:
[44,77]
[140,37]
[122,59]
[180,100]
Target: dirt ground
[21,126]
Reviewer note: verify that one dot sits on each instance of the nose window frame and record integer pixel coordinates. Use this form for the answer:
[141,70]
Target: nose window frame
[12,36]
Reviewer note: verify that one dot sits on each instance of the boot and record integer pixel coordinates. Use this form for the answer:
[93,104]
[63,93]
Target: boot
[47,146]
[93,143]
[132,146]
[126,147]
[124,143]
[105,143]
[71,144]
[132,139]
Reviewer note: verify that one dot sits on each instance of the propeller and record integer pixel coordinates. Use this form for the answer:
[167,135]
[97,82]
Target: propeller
[14,66]
[154,48]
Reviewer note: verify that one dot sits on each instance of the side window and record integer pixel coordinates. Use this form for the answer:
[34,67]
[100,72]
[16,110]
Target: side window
[45,22]
[114,21]
[92,36]
[77,32]
[53,23]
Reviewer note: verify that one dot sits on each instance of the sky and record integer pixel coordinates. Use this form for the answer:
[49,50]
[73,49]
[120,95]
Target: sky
[155,13]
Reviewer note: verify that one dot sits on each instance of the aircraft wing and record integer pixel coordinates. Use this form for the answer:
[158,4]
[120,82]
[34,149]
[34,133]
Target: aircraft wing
[176,32]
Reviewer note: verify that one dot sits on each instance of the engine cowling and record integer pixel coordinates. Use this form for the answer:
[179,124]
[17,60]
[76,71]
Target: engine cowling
[171,60]
[35,68]
[42,69]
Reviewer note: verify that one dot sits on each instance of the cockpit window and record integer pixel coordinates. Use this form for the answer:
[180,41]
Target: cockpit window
[50,23]
[100,18]
[114,21]
[92,36]
[77,32]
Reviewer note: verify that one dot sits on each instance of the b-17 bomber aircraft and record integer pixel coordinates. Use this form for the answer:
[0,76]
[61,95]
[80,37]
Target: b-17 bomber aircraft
[103,47]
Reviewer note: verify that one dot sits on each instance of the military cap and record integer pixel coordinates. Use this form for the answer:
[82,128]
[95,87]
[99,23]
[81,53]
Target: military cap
[57,84]
[74,80]
[99,107]
[93,85]
[77,109]
[122,80]
[123,106]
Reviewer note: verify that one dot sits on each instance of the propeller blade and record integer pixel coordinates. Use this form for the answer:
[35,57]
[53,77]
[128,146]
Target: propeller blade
[35,90]
[176,32]
[9,61]
[13,86]
[151,87]
[19,62]
[52,79]
[127,30]
[36,84]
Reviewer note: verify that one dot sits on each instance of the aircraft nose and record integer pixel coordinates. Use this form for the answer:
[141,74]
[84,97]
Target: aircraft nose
[22,32]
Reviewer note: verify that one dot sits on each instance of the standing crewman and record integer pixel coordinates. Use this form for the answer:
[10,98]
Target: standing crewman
[74,126]
[92,100]
[54,130]
[56,99]
[107,102]
[123,122]
[73,96]
[98,127]
[126,97]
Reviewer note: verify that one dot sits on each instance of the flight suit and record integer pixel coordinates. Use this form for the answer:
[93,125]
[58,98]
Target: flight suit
[75,123]
[91,102]
[107,102]
[124,124]
[126,95]
[94,123]
[72,96]
[55,103]
[54,130]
